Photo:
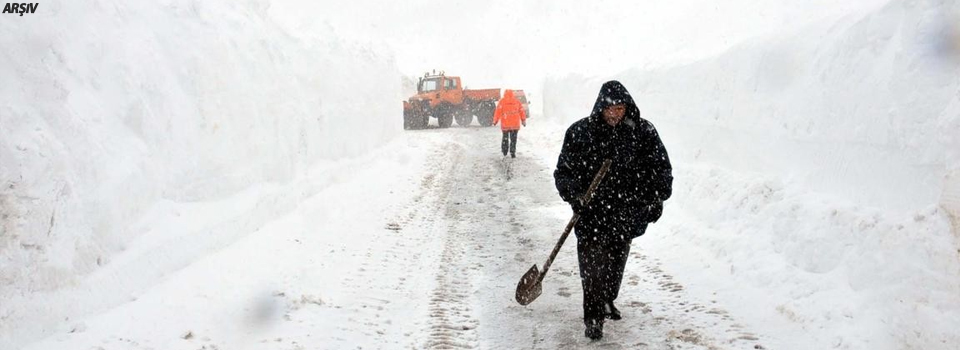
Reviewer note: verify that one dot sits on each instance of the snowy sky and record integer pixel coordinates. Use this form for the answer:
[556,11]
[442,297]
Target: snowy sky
[498,42]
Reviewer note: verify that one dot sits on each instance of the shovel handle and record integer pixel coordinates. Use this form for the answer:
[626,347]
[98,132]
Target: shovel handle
[573,221]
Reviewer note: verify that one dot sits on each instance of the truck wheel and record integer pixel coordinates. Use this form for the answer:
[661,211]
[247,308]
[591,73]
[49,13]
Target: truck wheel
[485,114]
[444,113]
[445,120]
[464,118]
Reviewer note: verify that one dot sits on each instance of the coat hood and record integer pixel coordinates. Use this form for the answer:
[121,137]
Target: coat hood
[613,93]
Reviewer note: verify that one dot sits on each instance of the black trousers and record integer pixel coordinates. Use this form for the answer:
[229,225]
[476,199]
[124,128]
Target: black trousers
[509,142]
[601,272]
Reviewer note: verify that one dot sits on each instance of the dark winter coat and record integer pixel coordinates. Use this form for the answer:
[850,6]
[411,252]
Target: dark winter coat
[640,179]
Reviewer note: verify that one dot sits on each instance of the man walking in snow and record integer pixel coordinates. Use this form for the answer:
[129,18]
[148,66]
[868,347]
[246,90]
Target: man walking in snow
[510,115]
[630,196]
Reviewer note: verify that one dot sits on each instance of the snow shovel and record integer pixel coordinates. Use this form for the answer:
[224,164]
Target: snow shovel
[529,287]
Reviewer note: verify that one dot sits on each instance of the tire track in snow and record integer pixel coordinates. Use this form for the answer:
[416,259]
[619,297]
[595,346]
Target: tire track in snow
[452,324]
[487,220]
[401,264]
[421,224]
[681,322]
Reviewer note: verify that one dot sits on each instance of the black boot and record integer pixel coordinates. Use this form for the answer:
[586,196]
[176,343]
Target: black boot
[611,311]
[594,330]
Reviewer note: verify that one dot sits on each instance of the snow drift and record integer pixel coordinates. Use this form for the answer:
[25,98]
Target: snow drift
[114,108]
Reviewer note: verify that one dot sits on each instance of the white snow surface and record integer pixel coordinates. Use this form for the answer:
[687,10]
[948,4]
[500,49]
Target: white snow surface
[232,175]
[118,119]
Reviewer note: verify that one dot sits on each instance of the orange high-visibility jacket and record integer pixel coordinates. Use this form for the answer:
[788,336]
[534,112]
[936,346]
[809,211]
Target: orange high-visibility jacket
[509,112]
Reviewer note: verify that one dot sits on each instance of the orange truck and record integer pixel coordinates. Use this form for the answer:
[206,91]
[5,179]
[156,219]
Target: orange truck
[522,97]
[443,97]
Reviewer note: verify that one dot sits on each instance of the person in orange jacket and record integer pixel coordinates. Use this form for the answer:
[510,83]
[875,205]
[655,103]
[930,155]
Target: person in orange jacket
[510,115]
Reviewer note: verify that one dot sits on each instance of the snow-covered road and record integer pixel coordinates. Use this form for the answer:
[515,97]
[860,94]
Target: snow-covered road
[418,245]
[233,175]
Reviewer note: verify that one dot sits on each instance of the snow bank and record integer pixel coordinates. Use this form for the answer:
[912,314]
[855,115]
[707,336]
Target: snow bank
[829,153]
[111,108]
[858,104]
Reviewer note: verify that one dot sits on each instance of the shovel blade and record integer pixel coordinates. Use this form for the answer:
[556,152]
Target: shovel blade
[529,287]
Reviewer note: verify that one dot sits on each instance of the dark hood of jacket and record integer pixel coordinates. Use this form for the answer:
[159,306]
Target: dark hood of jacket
[614,93]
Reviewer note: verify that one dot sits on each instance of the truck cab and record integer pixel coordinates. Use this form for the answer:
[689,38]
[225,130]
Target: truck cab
[440,88]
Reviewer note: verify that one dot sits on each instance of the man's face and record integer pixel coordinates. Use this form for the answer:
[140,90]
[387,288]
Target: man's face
[613,114]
